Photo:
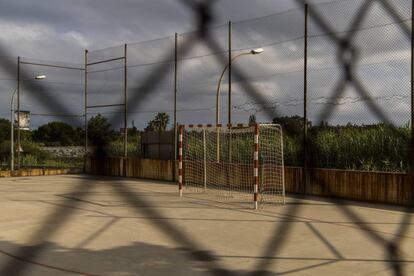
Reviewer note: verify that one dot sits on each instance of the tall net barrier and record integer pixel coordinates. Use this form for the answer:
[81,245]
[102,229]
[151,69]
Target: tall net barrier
[106,98]
[347,130]
[240,164]
[51,127]
[199,69]
[145,58]
[277,72]
[8,85]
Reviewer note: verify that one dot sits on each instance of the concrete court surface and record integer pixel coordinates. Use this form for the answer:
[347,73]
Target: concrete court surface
[87,225]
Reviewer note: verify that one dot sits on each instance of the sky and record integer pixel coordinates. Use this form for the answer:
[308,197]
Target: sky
[58,32]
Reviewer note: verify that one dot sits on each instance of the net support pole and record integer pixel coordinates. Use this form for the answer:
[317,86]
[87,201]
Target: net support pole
[175,92]
[256,165]
[204,160]
[18,113]
[125,103]
[180,161]
[305,103]
[411,161]
[86,109]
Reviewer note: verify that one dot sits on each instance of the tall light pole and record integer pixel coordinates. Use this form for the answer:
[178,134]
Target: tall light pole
[252,52]
[40,77]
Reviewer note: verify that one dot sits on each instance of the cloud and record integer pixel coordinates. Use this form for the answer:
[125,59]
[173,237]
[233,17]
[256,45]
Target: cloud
[61,30]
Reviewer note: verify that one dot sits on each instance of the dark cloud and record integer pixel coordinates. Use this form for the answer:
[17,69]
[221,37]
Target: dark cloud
[61,30]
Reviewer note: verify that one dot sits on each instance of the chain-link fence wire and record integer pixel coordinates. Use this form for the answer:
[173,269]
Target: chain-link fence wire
[143,57]
[353,137]
[345,52]
[277,73]
[105,95]
[198,79]
[42,143]
[8,85]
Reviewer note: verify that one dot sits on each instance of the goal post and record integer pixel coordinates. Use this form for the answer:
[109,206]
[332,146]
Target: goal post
[242,163]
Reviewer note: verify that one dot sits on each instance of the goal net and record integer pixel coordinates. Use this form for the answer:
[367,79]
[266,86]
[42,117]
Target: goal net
[241,163]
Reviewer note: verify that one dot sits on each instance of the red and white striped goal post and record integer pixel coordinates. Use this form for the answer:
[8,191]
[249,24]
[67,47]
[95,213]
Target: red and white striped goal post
[255,157]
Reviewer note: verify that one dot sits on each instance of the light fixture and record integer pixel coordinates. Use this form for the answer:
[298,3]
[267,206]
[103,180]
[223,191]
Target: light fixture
[40,77]
[257,51]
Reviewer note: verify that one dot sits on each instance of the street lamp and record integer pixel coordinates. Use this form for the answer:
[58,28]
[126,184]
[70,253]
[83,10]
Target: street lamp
[251,52]
[40,77]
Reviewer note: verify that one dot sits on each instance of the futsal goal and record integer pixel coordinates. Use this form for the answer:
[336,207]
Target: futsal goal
[242,163]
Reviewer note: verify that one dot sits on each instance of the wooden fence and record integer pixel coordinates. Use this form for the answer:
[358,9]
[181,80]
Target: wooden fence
[380,187]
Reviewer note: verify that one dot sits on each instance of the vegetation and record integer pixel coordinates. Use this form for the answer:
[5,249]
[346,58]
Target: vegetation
[4,130]
[159,123]
[58,134]
[378,147]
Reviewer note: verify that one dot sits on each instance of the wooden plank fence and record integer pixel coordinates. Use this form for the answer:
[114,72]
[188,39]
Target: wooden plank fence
[40,172]
[380,187]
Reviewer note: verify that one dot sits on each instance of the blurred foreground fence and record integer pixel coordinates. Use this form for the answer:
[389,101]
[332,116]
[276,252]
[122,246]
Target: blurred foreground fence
[338,76]
[341,107]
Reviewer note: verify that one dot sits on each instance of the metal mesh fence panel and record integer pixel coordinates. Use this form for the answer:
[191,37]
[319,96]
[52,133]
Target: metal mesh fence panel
[198,78]
[353,136]
[52,138]
[278,73]
[143,59]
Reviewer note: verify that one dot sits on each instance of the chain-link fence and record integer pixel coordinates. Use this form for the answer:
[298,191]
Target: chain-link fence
[41,137]
[341,85]
[300,74]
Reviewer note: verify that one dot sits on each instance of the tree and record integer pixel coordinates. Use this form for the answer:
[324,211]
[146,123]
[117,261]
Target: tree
[252,119]
[56,133]
[4,130]
[160,122]
[100,131]
[292,125]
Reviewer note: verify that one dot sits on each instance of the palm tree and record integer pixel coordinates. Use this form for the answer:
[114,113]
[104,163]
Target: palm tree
[159,123]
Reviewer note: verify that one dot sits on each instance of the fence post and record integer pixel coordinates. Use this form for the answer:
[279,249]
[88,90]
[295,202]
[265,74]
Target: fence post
[229,68]
[125,102]
[175,94]
[411,164]
[18,113]
[86,107]
[175,101]
[305,110]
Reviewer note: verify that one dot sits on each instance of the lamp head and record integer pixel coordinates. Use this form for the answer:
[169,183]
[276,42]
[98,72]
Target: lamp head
[257,51]
[40,77]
